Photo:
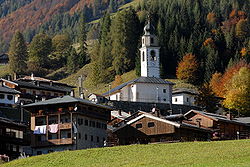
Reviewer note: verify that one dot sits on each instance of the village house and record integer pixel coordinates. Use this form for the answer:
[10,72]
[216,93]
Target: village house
[96,98]
[143,127]
[8,96]
[67,123]
[224,127]
[12,138]
[184,96]
[149,87]
[36,88]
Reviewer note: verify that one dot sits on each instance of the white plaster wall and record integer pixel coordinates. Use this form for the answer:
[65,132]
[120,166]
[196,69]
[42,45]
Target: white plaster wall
[90,131]
[148,93]
[5,100]
[182,99]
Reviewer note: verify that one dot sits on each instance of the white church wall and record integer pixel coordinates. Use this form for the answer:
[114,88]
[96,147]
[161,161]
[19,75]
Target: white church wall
[158,93]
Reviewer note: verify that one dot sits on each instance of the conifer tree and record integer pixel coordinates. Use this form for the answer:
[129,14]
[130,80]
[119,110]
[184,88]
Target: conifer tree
[83,57]
[18,54]
[72,60]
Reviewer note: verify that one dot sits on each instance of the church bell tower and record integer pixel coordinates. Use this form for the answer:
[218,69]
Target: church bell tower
[150,53]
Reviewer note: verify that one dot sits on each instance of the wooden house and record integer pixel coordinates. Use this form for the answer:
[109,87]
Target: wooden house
[145,128]
[12,138]
[4,59]
[224,127]
[67,123]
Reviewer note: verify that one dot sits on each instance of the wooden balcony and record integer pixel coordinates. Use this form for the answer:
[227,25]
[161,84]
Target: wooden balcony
[65,126]
[53,142]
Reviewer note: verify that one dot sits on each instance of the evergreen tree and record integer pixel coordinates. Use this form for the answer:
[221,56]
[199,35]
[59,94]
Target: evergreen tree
[72,60]
[211,64]
[39,49]
[18,54]
[124,40]
[83,57]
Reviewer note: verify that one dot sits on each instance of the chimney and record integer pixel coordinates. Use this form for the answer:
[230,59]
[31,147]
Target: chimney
[50,83]
[120,112]
[15,76]
[1,83]
[32,77]
[229,116]
[9,77]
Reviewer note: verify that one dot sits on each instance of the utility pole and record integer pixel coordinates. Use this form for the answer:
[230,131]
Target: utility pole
[80,84]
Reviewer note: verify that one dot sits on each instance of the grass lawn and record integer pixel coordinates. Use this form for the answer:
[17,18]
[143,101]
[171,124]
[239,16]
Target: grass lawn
[211,154]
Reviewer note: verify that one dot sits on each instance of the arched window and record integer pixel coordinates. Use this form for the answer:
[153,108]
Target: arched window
[143,56]
[153,55]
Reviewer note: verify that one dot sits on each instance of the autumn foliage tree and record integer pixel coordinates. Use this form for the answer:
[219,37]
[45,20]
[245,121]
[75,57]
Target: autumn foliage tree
[219,82]
[237,92]
[187,69]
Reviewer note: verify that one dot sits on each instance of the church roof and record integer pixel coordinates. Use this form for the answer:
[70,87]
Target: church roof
[152,80]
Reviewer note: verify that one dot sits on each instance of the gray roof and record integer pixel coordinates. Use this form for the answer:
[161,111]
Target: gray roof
[42,86]
[9,121]
[8,90]
[64,100]
[245,120]
[184,90]
[152,80]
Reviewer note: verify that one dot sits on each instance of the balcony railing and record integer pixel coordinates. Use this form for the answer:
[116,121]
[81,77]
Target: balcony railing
[65,126]
[53,142]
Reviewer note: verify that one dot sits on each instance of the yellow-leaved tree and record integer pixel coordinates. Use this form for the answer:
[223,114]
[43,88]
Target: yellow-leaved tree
[238,91]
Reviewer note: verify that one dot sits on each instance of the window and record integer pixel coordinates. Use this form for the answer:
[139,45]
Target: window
[86,122]
[98,124]
[79,136]
[86,137]
[138,126]
[143,56]
[39,138]
[97,139]
[34,92]
[69,135]
[151,124]
[152,40]
[80,121]
[164,99]
[164,91]
[1,96]
[39,152]
[153,55]
[187,99]
[143,41]
[175,99]
[92,138]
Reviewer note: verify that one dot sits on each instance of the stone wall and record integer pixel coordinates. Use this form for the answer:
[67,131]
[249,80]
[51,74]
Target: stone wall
[133,107]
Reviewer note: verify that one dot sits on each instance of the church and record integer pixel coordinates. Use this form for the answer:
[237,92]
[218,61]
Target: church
[149,87]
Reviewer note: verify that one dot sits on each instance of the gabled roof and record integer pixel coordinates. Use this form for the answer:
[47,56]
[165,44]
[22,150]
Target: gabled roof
[152,80]
[184,90]
[4,56]
[65,100]
[42,86]
[214,117]
[4,89]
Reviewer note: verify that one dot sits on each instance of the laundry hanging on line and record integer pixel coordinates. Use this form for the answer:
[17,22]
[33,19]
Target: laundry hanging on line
[40,130]
[53,128]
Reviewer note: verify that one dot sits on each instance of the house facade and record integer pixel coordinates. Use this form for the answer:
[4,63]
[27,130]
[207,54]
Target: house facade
[67,123]
[4,59]
[12,138]
[146,128]
[184,96]
[8,96]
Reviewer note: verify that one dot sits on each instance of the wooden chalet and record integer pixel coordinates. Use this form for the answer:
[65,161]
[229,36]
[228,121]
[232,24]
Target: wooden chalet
[79,124]
[224,127]
[145,128]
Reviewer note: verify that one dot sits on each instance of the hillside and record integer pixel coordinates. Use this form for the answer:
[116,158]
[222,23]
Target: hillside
[35,16]
[222,153]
